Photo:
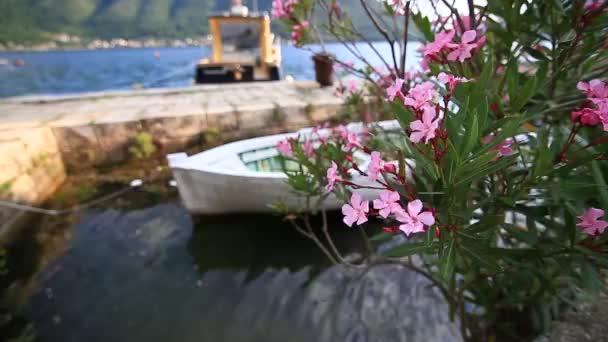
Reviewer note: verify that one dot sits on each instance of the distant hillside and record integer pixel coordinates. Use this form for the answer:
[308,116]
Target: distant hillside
[28,21]
[32,20]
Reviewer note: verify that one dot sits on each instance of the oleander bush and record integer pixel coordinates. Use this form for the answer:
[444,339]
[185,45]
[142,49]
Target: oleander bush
[497,178]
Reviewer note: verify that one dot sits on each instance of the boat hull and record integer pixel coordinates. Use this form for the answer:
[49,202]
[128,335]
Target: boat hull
[217,181]
[206,74]
[214,193]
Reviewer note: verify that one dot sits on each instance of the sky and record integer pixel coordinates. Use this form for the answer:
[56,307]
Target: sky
[461,5]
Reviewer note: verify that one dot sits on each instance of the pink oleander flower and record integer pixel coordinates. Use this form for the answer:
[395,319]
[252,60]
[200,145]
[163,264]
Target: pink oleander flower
[296,34]
[480,42]
[332,177]
[388,203]
[352,86]
[284,148]
[463,49]
[421,95]
[341,132]
[590,222]
[395,89]
[451,80]
[413,220]
[597,93]
[604,118]
[425,128]
[593,5]
[398,6]
[352,140]
[356,211]
[309,148]
[282,9]
[376,165]
[424,64]
[587,116]
[595,89]
[503,148]
[442,39]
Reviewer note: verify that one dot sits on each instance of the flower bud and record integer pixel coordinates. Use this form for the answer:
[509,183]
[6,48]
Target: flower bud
[390,168]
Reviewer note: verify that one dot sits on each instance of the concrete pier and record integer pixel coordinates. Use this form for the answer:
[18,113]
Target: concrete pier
[43,136]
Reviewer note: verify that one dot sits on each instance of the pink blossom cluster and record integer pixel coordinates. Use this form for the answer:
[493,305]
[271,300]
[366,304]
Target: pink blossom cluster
[296,33]
[410,219]
[445,48]
[285,147]
[349,87]
[397,5]
[591,223]
[451,81]
[282,10]
[503,149]
[422,98]
[594,5]
[595,109]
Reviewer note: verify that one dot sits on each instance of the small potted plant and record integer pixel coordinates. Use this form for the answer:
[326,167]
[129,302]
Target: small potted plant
[324,70]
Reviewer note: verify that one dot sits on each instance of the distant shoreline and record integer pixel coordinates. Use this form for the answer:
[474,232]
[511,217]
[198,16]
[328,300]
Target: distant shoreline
[72,43]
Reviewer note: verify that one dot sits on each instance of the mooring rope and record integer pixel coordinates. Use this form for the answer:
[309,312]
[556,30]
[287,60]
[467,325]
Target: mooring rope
[132,185]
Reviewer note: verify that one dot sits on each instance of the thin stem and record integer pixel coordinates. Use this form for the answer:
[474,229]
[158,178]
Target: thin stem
[471,14]
[455,13]
[368,244]
[328,237]
[382,31]
[405,38]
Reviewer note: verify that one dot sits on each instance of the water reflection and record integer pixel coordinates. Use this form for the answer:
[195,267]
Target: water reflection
[156,274]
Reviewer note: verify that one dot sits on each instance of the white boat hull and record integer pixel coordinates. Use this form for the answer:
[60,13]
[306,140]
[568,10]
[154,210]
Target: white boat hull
[218,182]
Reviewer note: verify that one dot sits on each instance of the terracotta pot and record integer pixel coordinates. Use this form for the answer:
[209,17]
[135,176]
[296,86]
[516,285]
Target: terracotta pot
[324,69]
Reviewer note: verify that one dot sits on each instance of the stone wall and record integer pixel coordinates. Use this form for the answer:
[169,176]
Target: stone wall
[177,120]
[43,136]
[31,169]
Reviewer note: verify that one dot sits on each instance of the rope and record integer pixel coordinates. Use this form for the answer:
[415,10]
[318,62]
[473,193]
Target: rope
[133,185]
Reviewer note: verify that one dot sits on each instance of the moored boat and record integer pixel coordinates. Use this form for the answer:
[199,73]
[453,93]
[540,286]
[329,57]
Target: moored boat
[247,176]
[243,48]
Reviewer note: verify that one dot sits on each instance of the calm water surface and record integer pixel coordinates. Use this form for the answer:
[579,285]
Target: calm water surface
[57,72]
[155,273]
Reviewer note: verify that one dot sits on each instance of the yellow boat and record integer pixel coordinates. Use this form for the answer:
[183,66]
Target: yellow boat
[244,50]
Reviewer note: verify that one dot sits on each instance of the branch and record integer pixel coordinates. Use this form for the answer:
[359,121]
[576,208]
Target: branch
[455,13]
[471,14]
[382,31]
[328,237]
[405,39]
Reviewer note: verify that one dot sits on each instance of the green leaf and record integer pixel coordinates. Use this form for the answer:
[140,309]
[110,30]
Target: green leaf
[521,234]
[448,260]
[525,94]
[500,164]
[472,134]
[424,25]
[475,251]
[486,223]
[410,248]
[508,128]
[381,237]
[602,187]
[403,115]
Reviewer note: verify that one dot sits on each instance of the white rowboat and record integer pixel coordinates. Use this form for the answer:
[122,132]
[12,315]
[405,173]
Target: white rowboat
[245,176]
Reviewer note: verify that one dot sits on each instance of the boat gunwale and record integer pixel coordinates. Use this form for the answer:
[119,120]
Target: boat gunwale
[207,161]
